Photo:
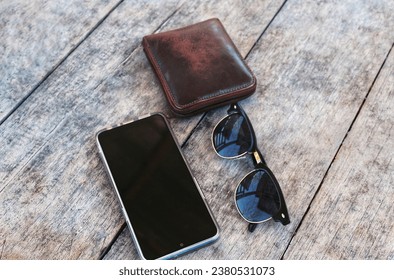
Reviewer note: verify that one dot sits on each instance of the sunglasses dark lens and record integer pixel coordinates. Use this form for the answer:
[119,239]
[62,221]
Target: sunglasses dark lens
[232,136]
[256,197]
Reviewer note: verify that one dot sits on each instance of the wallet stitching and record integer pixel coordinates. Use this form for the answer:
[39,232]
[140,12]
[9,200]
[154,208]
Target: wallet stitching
[212,96]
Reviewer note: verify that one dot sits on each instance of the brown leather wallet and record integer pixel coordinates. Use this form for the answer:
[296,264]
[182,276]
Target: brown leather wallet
[199,67]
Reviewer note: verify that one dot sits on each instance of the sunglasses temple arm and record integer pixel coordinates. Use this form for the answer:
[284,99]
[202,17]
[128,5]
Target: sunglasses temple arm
[252,227]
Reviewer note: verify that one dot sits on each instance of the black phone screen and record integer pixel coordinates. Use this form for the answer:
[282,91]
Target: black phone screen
[159,195]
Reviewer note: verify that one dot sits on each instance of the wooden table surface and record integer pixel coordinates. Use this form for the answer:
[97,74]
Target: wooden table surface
[323,112]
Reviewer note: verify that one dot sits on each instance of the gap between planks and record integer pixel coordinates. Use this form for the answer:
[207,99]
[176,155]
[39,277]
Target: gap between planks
[56,66]
[338,150]
[122,228]
[157,29]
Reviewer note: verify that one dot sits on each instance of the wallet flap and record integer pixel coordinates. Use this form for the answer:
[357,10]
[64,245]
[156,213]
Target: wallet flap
[199,66]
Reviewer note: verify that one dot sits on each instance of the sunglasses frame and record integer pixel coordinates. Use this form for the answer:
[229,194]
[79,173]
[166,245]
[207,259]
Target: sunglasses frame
[259,164]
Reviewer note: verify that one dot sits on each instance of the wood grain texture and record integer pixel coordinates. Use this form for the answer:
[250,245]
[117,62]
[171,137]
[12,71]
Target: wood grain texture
[55,199]
[35,37]
[352,216]
[311,87]
[234,15]
[58,172]
[314,67]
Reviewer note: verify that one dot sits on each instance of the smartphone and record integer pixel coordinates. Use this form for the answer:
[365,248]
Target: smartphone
[163,205]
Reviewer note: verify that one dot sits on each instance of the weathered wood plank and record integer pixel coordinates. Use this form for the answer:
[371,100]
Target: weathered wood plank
[56,189]
[234,16]
[55,199]
[59,164]
[314,66]
[352,216]
[311,86]
[35,37]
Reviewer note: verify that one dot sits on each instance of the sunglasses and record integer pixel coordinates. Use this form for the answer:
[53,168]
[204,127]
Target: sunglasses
[258,196]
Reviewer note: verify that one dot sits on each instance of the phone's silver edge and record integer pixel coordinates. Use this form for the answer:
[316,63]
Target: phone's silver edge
[133,235]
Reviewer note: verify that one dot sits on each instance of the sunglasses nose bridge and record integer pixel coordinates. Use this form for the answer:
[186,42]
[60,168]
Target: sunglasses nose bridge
[258,159]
